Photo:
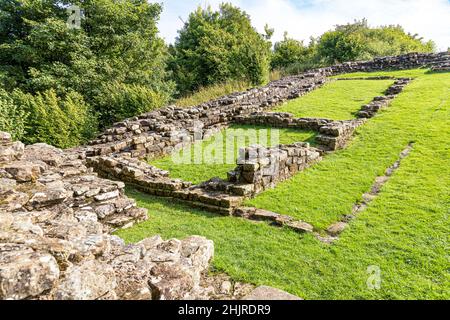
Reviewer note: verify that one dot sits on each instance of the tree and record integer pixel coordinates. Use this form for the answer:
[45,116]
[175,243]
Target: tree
[358,41]
[218,46]
[289,51]
[118,42]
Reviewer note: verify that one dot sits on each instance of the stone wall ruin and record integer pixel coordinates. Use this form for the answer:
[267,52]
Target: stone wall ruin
[58,208]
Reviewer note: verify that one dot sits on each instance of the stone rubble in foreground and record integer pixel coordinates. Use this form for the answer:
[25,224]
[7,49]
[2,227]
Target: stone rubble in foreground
[57,216]
[56,219]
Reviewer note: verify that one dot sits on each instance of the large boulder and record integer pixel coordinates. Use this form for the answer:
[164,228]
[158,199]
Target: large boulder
[25,273]
[89,281]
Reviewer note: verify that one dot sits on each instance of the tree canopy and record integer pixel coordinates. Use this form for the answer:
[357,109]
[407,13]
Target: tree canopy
[218,46]
[117,46]
[359,41]
[62,82]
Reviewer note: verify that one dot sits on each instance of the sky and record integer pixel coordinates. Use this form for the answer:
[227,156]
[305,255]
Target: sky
[305,18]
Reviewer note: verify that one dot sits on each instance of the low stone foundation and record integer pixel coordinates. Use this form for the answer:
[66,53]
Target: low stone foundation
[262,168]
[56,216]
[402,62]
[333,135]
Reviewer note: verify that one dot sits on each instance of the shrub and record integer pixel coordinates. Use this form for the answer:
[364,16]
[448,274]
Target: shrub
[118,101]
[62,122]
[359,41]
[12,117]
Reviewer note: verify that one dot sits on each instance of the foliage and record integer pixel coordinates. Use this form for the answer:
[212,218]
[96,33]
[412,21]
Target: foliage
[117,43]
[289,51]
[350,42]
[358,41]
[212,92]
[218,46]
[118,101]
[60,122]
[12,118]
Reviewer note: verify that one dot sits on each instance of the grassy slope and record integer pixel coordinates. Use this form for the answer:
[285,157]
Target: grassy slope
[212,92]
[404,231]
[197,173]
[329,189]
[338,100]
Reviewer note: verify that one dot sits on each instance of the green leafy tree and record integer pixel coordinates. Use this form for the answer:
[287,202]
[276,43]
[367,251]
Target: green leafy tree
[12,118]
[218,46]
[289,51]
[118,42]
[358,41]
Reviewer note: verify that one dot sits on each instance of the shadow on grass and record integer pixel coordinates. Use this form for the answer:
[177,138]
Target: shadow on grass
[171,204]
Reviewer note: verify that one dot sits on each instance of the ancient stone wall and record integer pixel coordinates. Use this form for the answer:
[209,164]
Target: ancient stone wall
[261,168]
[56,216]
[402,62]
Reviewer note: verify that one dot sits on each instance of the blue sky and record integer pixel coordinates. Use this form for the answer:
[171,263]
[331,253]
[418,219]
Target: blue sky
[305,18]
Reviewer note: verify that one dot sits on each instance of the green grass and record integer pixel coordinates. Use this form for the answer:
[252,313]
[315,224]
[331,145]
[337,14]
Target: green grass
[405,231]
[202,165]
[337,100]
[413,73]
[212,92]
[328,191]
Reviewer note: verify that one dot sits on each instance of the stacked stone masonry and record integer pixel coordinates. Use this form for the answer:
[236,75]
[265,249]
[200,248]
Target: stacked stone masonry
[57,214]
[261,168]
[56,217]
[333,135]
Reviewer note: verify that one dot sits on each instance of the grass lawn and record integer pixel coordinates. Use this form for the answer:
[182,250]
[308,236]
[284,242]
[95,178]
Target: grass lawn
[337,100]
[211,164]
[212,92]
[404,232]
[327,191]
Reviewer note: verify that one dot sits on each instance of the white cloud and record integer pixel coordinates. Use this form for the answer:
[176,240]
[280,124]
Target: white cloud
[305,18]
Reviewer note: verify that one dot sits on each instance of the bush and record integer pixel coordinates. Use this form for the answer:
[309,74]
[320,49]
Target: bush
[118,101]
[62,122]
[358,41]
[12,117]
[218,47]
[287,52]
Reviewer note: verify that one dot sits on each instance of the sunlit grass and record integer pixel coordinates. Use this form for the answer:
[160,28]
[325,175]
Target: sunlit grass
[404,232]
[337,100]
[215,156]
